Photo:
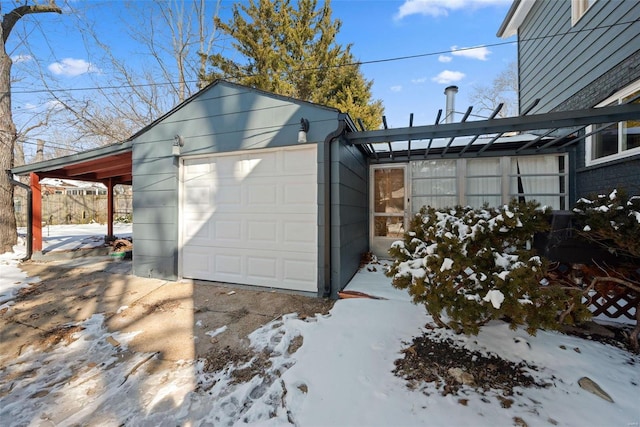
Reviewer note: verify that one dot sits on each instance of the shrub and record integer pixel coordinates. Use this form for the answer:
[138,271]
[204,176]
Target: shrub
[468,266]
[611,221]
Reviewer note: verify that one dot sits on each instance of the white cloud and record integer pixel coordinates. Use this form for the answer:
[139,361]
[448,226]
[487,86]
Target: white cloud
[476,52]
[396,88]
[54,105]
[447,77]
[72,67]
[21,58]
[444,58]
[437,8]
[419,81]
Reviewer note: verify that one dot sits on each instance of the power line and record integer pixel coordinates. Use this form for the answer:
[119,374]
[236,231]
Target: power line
[374,61]
[52,145]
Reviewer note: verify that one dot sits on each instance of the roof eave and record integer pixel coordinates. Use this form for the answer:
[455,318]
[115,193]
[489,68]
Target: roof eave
[515,17]
[83,156]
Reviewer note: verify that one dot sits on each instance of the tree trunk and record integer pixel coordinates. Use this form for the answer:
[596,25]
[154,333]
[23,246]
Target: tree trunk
[8,232]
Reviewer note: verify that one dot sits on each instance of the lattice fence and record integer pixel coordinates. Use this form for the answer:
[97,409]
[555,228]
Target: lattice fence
[614,301]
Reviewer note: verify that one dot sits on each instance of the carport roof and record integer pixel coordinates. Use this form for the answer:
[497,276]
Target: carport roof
[97,165]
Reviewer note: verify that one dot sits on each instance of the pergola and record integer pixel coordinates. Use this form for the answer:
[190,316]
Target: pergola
[109,165]
[547,133]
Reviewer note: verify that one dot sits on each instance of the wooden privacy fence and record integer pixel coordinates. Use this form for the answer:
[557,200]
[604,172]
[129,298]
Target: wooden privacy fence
[75,209]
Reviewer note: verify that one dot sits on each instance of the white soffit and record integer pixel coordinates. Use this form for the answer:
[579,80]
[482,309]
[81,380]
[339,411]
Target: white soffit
[512,23]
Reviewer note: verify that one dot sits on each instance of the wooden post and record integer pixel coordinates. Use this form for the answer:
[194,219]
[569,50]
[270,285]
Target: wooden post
[109,184]
[36,210]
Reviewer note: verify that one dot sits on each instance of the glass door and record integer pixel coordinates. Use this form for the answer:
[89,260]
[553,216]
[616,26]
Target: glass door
[388,208]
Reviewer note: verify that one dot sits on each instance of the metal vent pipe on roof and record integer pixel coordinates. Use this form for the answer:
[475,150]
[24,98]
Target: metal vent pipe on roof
[450,92]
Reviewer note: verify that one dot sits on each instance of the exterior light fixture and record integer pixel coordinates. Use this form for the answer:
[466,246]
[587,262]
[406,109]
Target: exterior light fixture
[304,128]
[178,142]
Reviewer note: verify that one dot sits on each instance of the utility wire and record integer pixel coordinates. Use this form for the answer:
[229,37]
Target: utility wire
[375,61]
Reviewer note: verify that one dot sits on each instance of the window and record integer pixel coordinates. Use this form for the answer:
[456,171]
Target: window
[617,140]
[578,8]
[491,181]
[484,182]
[434,183]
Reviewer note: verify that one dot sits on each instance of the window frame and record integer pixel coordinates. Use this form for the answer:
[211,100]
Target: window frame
[579,8]
[616,98]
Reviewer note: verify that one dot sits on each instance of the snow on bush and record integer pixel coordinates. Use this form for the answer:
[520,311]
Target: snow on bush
[468,266]
[612,221]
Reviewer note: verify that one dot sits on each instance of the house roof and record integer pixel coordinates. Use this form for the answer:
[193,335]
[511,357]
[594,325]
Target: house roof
[97,165]
[515,16]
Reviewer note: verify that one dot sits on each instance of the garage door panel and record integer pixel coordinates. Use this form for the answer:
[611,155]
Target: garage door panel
[253,217]
[263,231]
[259,267]
[200,196]
[228,264]
[198,230]
[261,194]
[299,270]
[228,230]
[300,232]
[298,194]
[197,262]
[229,194]
[297,161]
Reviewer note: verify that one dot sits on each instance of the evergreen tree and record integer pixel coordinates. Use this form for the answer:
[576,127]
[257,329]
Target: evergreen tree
[293,52]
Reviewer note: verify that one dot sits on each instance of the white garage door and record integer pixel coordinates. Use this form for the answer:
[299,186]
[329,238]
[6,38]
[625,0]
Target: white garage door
[251,218]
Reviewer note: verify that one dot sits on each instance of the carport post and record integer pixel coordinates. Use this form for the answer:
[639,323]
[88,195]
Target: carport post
[36,209]
[109,185]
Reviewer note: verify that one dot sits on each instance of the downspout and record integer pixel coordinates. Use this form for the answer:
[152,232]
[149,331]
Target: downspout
[342,125]
[29,215]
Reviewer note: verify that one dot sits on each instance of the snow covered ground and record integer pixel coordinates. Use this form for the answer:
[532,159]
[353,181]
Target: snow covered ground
[340,376]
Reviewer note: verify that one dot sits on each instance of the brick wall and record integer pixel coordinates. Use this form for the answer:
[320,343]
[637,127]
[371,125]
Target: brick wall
[623,175]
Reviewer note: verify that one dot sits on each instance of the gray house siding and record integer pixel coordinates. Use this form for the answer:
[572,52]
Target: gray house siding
[349,214]
[350,226]
[599,56]
[222,118]
[557,67]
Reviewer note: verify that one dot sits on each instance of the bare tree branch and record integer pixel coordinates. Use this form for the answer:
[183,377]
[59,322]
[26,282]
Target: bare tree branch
[10,19]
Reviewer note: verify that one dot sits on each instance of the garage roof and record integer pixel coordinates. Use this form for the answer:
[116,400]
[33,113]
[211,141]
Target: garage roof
[97,165]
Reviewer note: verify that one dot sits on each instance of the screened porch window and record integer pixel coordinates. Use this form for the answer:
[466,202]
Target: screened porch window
[539,178]
[490,181]
[617,140]
[434,183]
[484,182]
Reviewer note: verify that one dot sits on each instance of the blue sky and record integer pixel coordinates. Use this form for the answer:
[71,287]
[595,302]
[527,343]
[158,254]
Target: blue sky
[391,29]
[434,31]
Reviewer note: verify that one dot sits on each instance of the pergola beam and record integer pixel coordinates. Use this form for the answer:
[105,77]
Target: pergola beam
[555,120]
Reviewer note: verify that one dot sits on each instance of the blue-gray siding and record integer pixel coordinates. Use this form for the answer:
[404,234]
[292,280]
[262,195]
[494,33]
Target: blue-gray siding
[599,56]
[350,213]
[557,67]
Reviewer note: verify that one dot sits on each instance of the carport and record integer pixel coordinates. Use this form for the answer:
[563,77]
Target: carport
[109,165]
